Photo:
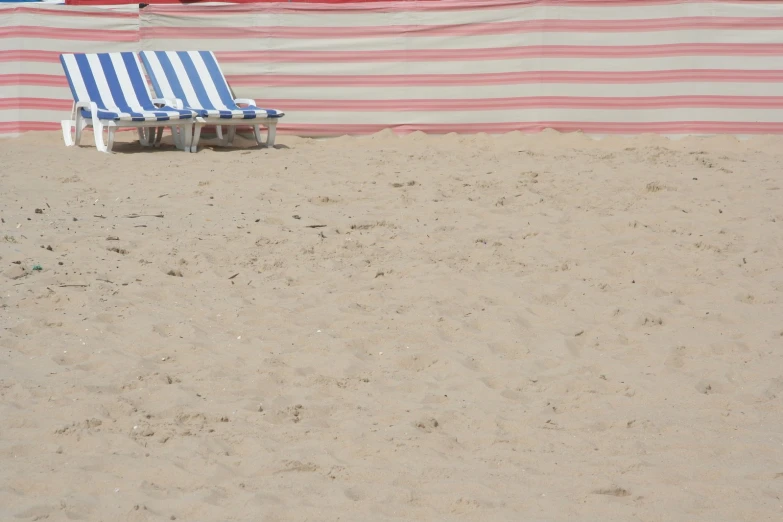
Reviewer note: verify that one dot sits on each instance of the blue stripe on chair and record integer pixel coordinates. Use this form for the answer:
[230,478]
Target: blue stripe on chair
[89,80]
[114,87]
[137,81]
[123,116]
[217,78]
[196,81]
[169,76]
[173,114]
[68,77]
[154,79]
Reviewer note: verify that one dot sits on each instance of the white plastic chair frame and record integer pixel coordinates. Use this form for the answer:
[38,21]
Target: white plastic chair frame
[181,130]
[228,140]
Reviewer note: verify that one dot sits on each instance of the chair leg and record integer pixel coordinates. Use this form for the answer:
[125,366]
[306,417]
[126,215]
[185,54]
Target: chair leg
[219,131]
[110,144]
[144,134]
[81,124]
[196,136]
[187,136]
[100,144]
[271,133]
[232,131]
[157,135]
[176,135]
[72,129]
[257,134]
[68,127]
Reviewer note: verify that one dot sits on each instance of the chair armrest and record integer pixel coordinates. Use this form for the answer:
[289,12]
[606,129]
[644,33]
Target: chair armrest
[90,106]
[245,101]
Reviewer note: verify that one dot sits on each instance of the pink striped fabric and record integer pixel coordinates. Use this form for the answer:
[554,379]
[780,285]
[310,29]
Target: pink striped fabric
[34,93]
[600,66]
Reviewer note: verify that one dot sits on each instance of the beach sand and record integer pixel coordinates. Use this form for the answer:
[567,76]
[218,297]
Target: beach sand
[512,328]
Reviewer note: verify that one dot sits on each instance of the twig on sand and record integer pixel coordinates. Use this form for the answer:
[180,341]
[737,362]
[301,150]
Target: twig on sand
[315,226]
[233,276]
[133,216]
[77,286]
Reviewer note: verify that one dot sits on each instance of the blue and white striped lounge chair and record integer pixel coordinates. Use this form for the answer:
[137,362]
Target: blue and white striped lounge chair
[109,92]
[195,78]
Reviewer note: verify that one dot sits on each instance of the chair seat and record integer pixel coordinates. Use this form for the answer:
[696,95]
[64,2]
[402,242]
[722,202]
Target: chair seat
[240,113]
[162,114]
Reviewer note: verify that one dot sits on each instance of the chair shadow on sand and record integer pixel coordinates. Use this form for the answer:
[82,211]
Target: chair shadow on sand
[241,143]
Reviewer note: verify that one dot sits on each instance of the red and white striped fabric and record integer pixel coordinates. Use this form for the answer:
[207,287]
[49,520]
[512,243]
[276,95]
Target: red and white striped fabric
[34,93]
[601,66]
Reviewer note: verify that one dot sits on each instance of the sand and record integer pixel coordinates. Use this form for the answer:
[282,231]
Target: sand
[419,328]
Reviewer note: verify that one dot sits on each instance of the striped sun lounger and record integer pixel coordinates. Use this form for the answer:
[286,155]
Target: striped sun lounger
[109,92]
[195,78]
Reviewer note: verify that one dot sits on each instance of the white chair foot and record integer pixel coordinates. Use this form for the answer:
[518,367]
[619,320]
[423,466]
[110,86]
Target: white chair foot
[196,137]
[81,124]
[271,133]
[257,134]
[186,132]
[111,139]
[144,136]
[68,127]
[100,144]
[176,135]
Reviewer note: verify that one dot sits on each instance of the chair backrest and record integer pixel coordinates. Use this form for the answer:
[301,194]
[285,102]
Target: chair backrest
[191,76]
[113,81]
